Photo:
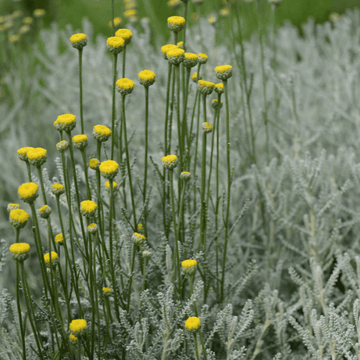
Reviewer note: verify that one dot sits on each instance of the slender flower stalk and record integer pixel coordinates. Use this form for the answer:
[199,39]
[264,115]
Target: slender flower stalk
[81,91]
[113,105]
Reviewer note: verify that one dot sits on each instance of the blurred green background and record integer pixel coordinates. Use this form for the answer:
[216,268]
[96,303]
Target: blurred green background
[99,11]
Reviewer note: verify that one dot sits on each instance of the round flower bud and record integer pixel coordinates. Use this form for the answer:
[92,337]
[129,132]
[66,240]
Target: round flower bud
[185,175]
[115,44]
[166,48]
[126,34]
[146,254]
[140,227]
[146,77]
[212,19]
[203,58]
[180,44]
[107,291]
[176,56]
[20,251]
[66,122]
[189,266]
[78,41]
[176,23]
[88,207]
[223,72]
[194,77]
[13,207]
[109,169]
[59,238]
[169,161]
[205,87]
[57,189]
[92,228]
[207,128]
[125,86]
[73,338]
[62,145]
[117,22]
[332,17]
[28,192]
[77,326]
[215,104]
[37,156]
[24,29]
[94,164]
[45,211]
[101,133]
[174,3]
[22,153]
[219,88]
[224,12]
[192,323]
[190,60]
[18,218]
[137,238]
[107,185]
[39,13]
[80,141]
[28,20]
[52,258]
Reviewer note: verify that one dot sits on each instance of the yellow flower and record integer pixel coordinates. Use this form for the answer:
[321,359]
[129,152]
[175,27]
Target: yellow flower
[109,169]
[24,29]
[180,44]
[140,227]
[192,323]
[166,48]
[77,325]
[203,58]
[58,189]
[176,56]
[189,266]
[174,3]
[107,185]
[212,19]
[12,207]
[59,238]
[106,290]
[45,211]
[73,338]
[39,12]
[37,156]
[22,153]
[92,228]
[137,238]
[94,163]
[190,60]
[185,175]
[205,87]
[101,133]
[20,251]
[115,44]
[130,14]
[18,218]
[80,141]
[28,20]
[223,72]
[53,257]
[146,77]
[224,12]
[28,192]
[334,17]
[62,145]
[125,86]
[169,161]
[215,103]
[176,23]
[65,122]
[88,207]
[219,88]
[126,34]
[117,21]
[207,128]
[78,41]
[14,38]
[194,77]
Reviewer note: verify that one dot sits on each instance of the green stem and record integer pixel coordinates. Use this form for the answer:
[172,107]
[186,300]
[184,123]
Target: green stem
[131,276]
[124,60]
[28,166]
[184,120]
[42,184]
[113,107]
[112,16]
[85,164]
[22,329]
[81,91]
[196,347]
[146,143]
[177,67]
[203,190]
[196,148]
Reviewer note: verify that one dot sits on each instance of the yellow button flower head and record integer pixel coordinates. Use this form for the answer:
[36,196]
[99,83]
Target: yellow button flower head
[176,56]
[57,189]
[73,338]
[45,211]
[18,218]
[12,207]
[137,238]
[185,175]
[117,22]
[146,254]
[88,207]
[107,185]
[192,323]
[24,29]
[115,44]
[189,266]
[205,87]
[14,38]
[22,153]
[333,17]
[174,3]
[20,251]
[78,41]
[207,128]
[80,141]
[101,133]
[223,72]
[190,60]
[166,48]
[52,257]
[212,19]
[94,163]
[109,169]
[176,23]
[92,228]
[130,4]
[78,325]
[131,15]
[15,14]
[106,290]
[28,192]
[219,88]
[194,77]
[126,34]
[39,12]
[37,156]
[66,122]
[224,12]
[215,104]
[180,44]
[203,58]
[169,161]
[59,238]
[62,145]
[125,86]
[28,20]
[146,77]
[140,227]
